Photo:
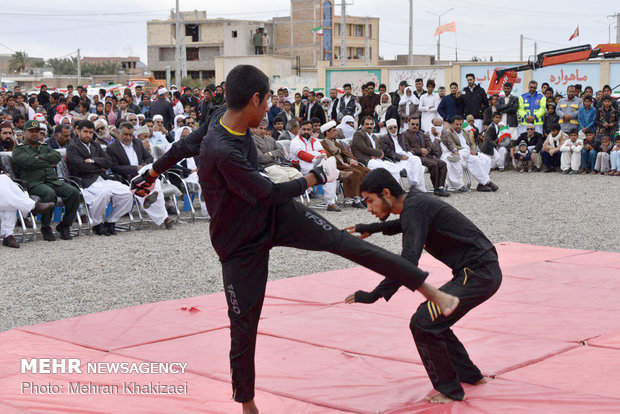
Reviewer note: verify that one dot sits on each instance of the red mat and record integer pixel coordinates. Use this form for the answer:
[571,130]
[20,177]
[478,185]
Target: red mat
[317,355]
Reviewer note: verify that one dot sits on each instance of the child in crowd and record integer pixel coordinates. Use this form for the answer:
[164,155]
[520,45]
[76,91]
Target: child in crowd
[614,158]
[570,160]
[588,153]
[602,158]
[523,158]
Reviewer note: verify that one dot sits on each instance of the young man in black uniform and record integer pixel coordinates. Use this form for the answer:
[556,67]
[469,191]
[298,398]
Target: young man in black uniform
[450,237]
[250,215]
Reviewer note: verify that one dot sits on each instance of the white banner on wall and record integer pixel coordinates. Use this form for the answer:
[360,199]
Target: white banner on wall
[410,75]
[561,76]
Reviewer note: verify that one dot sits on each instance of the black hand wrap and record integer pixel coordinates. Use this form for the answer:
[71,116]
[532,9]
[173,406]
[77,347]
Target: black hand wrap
[366,297]
[365,228]
[319,173]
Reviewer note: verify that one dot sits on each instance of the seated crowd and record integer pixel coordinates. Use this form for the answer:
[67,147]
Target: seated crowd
[104,140]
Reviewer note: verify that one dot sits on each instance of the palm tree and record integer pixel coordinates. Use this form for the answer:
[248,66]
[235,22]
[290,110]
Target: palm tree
[19,61]
[66,66]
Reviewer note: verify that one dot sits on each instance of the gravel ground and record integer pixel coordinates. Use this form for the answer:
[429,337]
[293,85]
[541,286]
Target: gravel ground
[44,281]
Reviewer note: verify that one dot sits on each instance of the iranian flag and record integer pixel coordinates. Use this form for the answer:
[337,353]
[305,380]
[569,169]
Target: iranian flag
[318,31]
[503,134]
[466,126]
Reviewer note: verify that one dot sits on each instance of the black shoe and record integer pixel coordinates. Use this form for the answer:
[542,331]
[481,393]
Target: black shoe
[334,207]
[357,204]
[150,199]
[65,232]
[168,223]
[100,230]
[111,228]
[441,192]
[566,172]
[48,234]
[463,189]
[9,241]
[483,188]
[403,173]
[492,186]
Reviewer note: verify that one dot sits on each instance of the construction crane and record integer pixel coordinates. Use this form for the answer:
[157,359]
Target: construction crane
[553,57]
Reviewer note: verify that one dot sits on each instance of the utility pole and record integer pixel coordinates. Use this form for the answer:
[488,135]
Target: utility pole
[177,53]
[439,35]
[617,27]
[343,37]
[79,68]
[521,49]
[367,50]
[291,30]
[183,52]
[535,49]
[410,60]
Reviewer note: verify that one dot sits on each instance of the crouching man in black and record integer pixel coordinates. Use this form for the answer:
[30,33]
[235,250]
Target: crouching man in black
[450,237]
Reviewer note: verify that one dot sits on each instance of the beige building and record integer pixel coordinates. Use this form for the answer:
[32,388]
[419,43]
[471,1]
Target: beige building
[302,42]
[205,39]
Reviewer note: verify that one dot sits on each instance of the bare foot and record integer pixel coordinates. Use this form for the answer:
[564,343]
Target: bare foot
[249,407]
[439,399]
[446,302]
[484,380]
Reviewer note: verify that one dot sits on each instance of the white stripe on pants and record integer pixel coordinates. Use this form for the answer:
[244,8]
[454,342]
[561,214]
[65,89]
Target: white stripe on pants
[99,195]
[13,199]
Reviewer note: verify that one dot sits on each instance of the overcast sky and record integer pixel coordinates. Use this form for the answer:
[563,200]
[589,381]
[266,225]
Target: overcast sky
[485,28]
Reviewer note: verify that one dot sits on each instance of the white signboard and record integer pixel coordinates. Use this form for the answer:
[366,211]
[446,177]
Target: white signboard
[410,75]
[561,76]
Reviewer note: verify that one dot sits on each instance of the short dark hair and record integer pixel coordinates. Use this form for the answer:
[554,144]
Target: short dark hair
[17,117]
[549,89]
[123,100]
[587,131]
[430,82]
[508,84]
[84,104]
[58,128]
[573,131]
[304,122]
[533,82]
[364,119]
[587,98]
[496,114]
[371,83]
[55,95]
[69,86]
[470,74]
[125,125]
[314,120]
[383,86]
[242,83]
[555,127]
[85,123]
[346,85]
[419,80]
[456,118]
[375,181]
[454,83]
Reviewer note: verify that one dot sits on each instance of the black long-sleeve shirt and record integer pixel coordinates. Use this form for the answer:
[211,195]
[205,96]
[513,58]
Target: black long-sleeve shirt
[429,223]
[238,198]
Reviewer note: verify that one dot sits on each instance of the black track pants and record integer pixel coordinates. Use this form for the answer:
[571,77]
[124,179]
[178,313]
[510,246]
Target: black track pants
[445,358]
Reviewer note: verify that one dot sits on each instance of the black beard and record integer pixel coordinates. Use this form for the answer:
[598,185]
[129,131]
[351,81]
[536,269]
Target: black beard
[306,135]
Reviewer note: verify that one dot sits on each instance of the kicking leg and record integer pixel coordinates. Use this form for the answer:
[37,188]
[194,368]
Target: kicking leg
[295,225]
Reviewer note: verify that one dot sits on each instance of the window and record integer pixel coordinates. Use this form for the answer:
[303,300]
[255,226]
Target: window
[194,74]
[359,53]
[191,53]
[359,30]
[159,74]
[234,33]
[192,31]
